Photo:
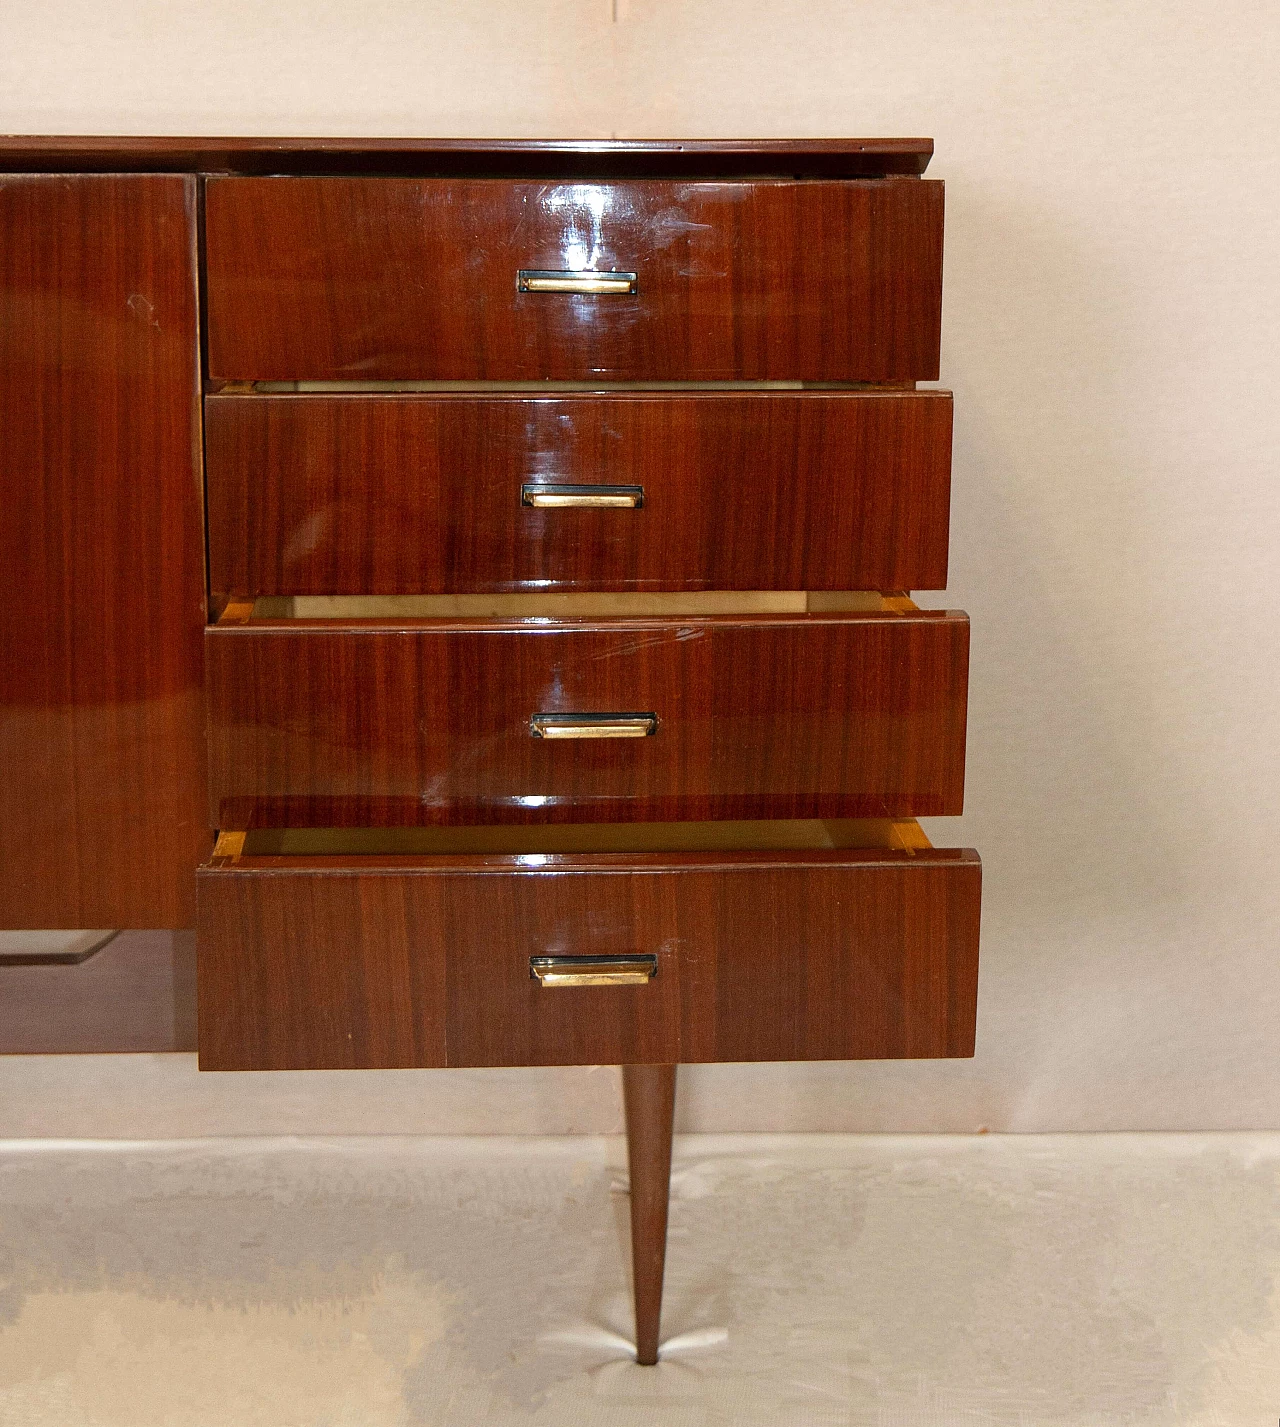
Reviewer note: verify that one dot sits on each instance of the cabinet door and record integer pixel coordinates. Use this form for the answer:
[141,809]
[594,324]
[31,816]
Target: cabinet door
[102,552]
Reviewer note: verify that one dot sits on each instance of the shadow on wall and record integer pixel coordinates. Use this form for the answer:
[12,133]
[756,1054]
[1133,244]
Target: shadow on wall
[1069,791]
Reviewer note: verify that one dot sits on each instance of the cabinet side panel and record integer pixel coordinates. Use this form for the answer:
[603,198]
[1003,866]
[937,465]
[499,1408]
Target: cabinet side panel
[102,548]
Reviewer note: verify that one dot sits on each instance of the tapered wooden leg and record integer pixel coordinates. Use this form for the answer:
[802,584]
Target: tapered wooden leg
[649,1092]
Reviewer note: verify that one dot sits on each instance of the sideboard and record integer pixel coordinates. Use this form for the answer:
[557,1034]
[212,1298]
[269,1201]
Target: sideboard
[470,583]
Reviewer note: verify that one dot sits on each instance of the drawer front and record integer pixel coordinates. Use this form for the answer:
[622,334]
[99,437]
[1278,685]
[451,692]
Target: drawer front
[419,279]
[418,494]
[817,716]
[841,955]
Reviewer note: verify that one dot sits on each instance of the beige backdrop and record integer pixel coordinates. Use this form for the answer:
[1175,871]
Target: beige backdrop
[1111,336]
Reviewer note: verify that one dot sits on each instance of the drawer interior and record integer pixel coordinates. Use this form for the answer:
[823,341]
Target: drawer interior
[263,846]
[541,388]
[674,604]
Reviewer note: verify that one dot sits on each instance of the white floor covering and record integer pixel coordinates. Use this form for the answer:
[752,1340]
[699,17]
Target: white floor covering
[1093,1280]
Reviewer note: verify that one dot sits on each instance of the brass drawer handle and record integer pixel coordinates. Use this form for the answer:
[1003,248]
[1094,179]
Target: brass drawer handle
[604,725]
[599,284]
[596,497]
[593,970]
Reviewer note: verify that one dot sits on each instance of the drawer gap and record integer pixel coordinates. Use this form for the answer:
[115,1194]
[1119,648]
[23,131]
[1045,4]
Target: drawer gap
[794,835]
[667,604]
[444,388]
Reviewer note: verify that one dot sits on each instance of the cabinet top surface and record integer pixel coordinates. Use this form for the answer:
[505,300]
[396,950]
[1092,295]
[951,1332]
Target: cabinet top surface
[551,158]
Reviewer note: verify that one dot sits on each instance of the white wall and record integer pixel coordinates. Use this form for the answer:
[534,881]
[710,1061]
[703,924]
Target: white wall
[1110,332]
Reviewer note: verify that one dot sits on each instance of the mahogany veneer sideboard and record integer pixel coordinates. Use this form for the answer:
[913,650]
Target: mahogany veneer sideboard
[468,583]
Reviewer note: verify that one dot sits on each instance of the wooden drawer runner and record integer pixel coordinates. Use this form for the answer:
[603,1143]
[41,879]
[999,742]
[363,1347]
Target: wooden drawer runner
[326,723]
[450,493]
[365,959]
[393,279]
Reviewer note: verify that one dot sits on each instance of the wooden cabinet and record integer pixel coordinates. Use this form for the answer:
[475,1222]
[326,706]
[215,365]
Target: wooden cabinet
[554,690]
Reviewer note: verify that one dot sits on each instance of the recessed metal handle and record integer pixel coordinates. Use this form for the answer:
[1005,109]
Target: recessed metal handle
[604,725]
[595,497]
[598,283]
[593,970]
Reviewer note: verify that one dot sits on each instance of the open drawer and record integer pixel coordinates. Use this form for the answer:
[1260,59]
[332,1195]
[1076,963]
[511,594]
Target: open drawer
[388,279]
[442,492]
[563,708]
[586,944]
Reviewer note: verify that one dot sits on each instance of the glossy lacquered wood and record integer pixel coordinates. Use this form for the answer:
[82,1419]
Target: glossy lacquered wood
[326,963]
[649,1095]
[422,494]
[538,158]
[828,716]
[102,803]
[356,278]
[136,995]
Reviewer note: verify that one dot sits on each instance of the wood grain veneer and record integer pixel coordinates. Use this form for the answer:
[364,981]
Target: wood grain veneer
[774,716]
[333,963]
[102,548]
[394,261]
[383,278]
[649,1095]
[422,494]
